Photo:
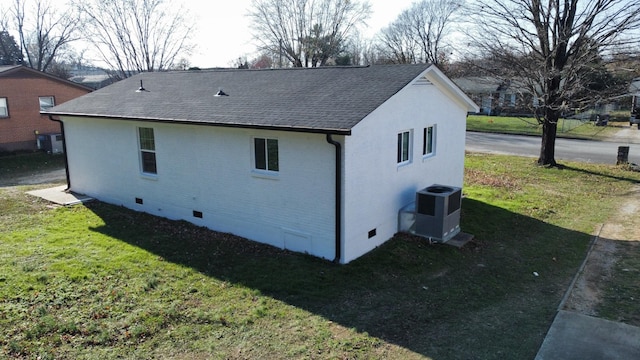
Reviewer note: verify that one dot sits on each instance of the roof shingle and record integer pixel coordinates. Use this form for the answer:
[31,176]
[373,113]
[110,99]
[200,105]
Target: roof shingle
[325,99]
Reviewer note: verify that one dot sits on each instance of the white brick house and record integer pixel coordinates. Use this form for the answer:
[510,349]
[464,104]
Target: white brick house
[312,160]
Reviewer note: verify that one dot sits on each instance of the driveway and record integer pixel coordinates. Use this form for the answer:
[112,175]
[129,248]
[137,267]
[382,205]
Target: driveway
[41,177]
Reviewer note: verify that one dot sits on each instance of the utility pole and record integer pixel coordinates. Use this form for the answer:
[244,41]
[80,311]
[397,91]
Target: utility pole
[280,52]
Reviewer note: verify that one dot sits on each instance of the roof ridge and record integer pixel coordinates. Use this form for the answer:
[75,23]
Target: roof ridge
[317,68]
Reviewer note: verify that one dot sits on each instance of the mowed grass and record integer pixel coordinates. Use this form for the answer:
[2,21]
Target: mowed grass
[529,126]
[98,281]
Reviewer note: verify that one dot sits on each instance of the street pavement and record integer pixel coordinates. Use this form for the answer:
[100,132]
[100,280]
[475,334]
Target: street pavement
[601,152]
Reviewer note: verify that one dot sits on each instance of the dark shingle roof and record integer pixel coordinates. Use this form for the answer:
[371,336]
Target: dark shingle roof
[326,99]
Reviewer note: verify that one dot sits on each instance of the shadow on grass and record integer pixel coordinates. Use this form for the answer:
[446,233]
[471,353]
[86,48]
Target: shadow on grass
[589,172]
[436,300]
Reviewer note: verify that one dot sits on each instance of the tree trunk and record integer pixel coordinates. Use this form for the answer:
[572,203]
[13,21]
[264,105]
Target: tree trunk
[548,146]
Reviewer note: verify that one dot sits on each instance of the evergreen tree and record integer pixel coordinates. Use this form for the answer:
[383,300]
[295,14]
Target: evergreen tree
[9,51]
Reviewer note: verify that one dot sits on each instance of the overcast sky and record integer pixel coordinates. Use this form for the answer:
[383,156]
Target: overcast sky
[224,33]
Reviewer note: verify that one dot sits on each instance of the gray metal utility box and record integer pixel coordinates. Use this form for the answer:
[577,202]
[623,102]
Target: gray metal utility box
[438,212]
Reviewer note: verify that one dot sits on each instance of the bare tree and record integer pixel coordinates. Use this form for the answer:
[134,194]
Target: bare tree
[551,46]
[419,33]
[44,30]
[306,32]
[133,36]
[397,44]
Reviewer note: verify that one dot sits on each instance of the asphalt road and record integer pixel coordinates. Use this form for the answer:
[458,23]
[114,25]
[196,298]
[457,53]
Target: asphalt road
[601,152]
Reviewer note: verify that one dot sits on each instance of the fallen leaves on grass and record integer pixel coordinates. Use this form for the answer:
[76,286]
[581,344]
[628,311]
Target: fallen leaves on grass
[479,177]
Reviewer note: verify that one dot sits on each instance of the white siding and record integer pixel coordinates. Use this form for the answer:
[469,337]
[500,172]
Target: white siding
[376,188]
[209,169]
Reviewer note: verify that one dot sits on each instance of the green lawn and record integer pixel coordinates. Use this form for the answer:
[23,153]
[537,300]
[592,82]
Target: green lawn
[98,281]
[529,126]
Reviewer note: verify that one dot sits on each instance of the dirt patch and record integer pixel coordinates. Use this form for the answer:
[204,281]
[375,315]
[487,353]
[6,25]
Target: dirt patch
[588,290]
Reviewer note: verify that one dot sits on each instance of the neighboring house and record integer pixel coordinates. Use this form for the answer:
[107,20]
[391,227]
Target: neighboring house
[93,81]
[314,160]
[498,96]
[90,76]
[24,92]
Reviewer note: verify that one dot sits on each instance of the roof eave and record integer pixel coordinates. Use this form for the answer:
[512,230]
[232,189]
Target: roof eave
[302,129]
[454,89]
[19,68]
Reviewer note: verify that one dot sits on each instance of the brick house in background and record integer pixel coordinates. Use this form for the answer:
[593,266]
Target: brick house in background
[24,92]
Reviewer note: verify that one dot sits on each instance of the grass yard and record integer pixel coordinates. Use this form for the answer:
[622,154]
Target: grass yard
[529,126]
[98,281]
[623,290]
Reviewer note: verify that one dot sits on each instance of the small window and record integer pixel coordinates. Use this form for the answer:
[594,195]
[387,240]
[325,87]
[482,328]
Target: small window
[428,145]
[404,147]
[266,154]
[4,109]
[46,102]
[147,150]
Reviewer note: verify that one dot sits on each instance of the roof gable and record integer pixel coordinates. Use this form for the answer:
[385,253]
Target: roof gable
[325,99]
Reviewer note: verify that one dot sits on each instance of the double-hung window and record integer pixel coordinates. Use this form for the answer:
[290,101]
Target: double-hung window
[266,154]
[404,147]
[4,108]
[428,145]
[147,150]
[46,102]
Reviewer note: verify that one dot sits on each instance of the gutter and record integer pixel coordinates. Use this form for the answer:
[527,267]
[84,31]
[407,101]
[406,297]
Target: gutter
[64,150]
[300,129]
[338,201]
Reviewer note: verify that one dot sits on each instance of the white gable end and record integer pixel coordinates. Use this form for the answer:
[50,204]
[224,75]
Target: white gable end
[376,185]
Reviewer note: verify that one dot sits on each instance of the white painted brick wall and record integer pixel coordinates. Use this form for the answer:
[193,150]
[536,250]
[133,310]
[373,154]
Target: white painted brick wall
[209,169]
[376,188]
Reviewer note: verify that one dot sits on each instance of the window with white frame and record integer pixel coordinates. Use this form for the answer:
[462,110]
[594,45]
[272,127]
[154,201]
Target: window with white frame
[404,147]
[4,109]
[147,150]
[46,102]
[428,144]
[266,154]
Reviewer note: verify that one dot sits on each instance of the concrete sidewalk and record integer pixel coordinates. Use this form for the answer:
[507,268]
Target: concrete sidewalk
[574,336]
[59,196]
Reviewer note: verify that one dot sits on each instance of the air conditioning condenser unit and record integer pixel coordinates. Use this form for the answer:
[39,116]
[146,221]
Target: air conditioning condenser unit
[437,212]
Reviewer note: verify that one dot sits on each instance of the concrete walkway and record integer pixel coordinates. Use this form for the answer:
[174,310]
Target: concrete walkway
[574,336]
[59,196]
